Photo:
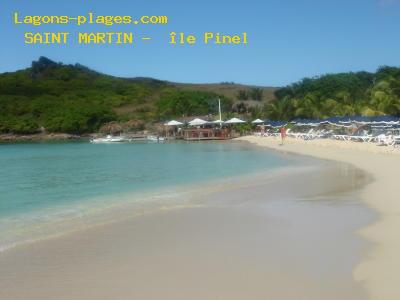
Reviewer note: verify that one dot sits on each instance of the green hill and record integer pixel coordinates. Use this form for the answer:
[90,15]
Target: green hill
[58,98]
[74,99]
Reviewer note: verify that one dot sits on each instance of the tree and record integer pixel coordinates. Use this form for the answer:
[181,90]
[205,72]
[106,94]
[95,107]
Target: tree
[243,95]
[256,94]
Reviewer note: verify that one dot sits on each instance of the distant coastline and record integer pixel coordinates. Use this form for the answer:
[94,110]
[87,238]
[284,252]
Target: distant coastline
[51,97]
[41,137]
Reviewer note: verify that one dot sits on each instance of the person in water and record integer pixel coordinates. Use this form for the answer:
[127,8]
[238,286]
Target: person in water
[283,134]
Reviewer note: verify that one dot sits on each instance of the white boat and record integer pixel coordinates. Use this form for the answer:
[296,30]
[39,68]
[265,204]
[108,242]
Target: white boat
[109,139]
[154,138]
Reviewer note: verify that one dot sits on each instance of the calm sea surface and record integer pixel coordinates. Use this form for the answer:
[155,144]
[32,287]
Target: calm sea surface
[45,183]
[287,215]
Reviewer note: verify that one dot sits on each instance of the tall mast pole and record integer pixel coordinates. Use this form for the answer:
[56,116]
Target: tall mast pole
[219,109]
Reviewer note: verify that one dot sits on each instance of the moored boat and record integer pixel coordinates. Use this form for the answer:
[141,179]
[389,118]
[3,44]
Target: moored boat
[154,138]
[109,139]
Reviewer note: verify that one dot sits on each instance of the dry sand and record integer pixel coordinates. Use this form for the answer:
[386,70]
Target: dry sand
[282,237]
[379,272]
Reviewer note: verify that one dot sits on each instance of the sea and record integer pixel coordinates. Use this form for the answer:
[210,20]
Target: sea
[49,189]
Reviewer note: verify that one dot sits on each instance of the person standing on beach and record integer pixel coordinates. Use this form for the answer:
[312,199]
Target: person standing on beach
[283,134]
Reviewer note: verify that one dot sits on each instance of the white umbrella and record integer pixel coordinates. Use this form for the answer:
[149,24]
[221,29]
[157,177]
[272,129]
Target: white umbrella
[197,122]
[257,121]
[173,123]
[234,121]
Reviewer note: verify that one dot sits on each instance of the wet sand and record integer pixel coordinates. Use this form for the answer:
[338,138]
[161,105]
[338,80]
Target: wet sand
[284,237]
[379,270]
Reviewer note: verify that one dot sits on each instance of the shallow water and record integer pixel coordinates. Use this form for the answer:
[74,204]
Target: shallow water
[283,234]
[44,184]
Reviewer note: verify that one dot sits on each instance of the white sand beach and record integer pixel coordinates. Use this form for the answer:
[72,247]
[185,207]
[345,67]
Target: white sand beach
[379,271]
[272,236]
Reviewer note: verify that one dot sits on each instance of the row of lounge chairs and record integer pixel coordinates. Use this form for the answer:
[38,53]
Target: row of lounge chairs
[381,139]
[356,138]
[310,135]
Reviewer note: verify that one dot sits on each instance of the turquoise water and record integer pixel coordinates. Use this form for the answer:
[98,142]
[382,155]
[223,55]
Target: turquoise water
[40,179]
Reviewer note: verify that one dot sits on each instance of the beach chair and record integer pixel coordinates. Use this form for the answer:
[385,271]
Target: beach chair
[316,135]
[396,141]
[306,135]
[292,134]
[319,134]
[298,135]
[326,134]
[289,132]
[342,137]
[386,140]
[361,138]
[310,135]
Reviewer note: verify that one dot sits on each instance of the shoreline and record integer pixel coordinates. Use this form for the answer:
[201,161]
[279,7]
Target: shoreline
[42,137]
[249,240]
[10,138]
[115,208]
[379,271]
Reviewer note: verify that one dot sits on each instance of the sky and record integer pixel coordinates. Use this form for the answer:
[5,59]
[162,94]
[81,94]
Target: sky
[287,39]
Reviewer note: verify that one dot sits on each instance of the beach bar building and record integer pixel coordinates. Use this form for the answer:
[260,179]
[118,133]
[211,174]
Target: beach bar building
[199,129]
[211,130]
[201,134]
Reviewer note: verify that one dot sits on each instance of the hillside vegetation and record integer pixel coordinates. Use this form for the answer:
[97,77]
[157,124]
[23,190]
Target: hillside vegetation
[53,97]
[345,94]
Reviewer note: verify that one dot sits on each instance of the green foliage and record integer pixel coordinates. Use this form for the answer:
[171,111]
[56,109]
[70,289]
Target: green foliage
[78,120]
[245,127]
[240,108]
[344,94]
[69,98]
[75,99]
[22,125]
[253,94]
[256,94]
[243,95]
[178,103]
[256,112]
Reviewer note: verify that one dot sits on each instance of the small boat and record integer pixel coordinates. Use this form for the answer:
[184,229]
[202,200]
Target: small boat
[154,138]
[109,139]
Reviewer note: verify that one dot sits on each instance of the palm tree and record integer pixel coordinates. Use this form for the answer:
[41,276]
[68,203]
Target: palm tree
[384,97]
[277,109]
[308,107]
